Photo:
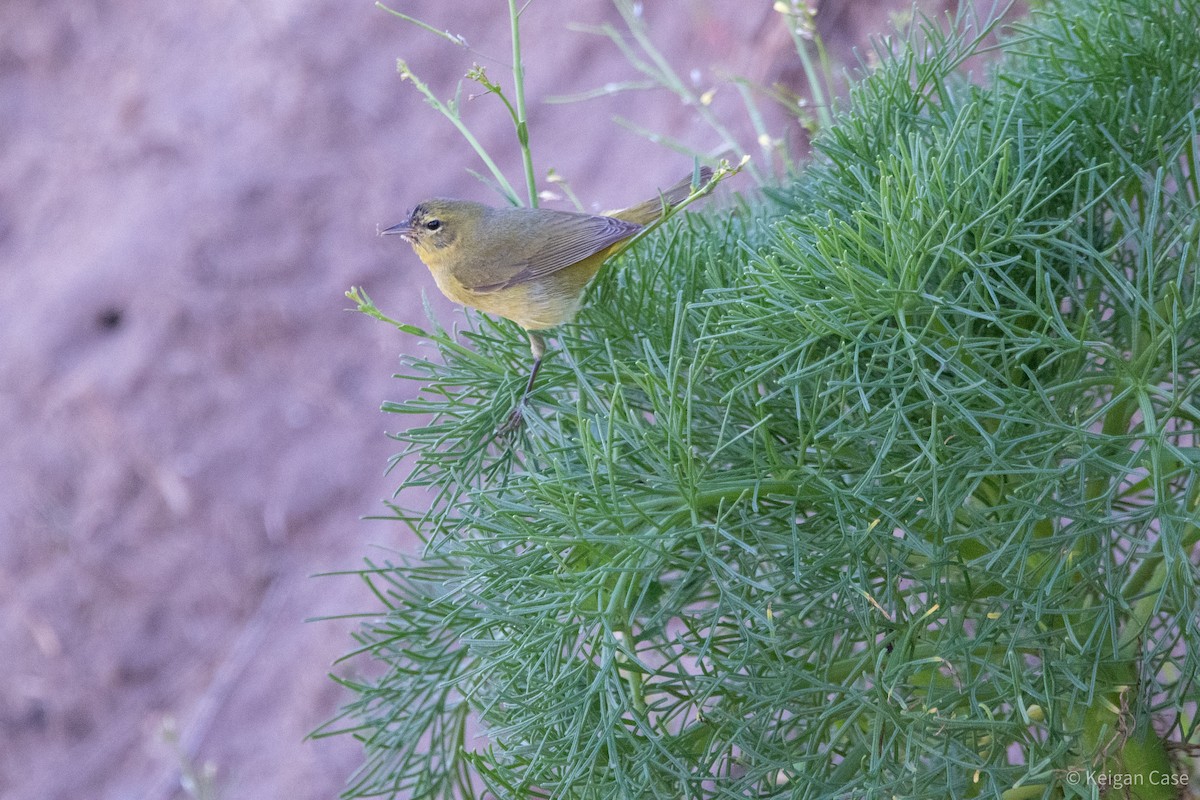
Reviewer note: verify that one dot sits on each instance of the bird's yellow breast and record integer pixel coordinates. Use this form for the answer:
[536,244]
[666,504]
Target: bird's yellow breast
[534,305]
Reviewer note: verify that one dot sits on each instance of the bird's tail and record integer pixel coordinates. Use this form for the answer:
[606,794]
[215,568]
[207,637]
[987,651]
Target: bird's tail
[652,209]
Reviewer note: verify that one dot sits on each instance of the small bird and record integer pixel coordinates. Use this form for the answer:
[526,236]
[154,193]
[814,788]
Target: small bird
[529,265]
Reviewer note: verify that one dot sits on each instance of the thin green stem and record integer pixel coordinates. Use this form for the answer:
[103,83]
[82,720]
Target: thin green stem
[803,30]
[451,113]
[453,38]
[519,90]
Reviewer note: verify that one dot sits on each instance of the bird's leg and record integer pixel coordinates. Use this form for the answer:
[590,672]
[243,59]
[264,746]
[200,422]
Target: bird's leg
[537,347]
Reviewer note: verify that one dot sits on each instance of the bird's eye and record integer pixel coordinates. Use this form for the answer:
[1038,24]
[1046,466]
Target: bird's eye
[433,224]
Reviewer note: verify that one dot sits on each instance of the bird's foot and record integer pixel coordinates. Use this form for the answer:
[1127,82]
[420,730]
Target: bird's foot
[514,421]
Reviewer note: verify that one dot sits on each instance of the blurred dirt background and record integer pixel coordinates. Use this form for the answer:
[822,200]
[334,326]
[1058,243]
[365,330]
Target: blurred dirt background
[188,413]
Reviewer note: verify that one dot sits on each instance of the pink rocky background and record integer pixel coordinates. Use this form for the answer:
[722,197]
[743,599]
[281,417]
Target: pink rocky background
[189,414]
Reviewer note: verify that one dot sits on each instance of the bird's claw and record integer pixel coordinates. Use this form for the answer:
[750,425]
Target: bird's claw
[514,421]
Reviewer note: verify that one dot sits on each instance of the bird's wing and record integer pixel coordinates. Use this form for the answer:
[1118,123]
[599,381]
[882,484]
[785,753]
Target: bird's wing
[559,240]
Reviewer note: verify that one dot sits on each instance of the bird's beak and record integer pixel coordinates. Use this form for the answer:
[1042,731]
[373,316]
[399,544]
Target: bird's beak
[403,230]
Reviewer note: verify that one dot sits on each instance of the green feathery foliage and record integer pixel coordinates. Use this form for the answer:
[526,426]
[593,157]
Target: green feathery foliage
[882,486]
